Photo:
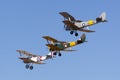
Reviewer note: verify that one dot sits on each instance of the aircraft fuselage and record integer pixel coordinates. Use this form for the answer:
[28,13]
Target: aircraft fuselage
[85,24]
[63,46]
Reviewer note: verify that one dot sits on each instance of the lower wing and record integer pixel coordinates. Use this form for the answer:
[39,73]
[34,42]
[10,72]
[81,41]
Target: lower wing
[39,62]
[85,30]
[69,50]
[27,60]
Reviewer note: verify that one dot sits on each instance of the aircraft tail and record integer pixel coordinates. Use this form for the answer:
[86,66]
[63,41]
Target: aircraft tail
[82,39]
[101,18]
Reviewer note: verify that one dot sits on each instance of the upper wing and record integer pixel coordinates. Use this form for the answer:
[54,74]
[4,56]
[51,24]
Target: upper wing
[26,53]
[67,16]
[50,38]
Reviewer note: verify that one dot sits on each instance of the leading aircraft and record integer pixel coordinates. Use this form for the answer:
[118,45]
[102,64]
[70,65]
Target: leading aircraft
[57,46]
[30,59]
[73,25]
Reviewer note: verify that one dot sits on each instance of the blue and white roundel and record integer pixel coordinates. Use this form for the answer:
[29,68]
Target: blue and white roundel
[83,24]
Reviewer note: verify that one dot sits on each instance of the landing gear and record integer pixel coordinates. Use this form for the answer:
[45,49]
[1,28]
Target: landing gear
[55,53]
[31,67]
[27,66]
[71,32]
[59,54]
[76,34]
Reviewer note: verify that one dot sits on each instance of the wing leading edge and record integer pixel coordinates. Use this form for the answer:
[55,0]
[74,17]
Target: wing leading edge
[26,53]
[50,38]
[67,16]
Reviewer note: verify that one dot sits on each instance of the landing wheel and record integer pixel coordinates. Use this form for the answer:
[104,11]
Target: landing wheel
[59,54]
[55,53]
[76,34]
[26,66]
[31,67]
[71,32]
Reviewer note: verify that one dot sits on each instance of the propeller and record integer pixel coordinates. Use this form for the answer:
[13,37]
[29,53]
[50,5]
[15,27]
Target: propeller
[64,26]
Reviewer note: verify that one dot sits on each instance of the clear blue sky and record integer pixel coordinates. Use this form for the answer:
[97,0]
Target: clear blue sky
[24,22]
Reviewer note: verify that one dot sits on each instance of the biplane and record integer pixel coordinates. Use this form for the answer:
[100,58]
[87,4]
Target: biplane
[57,46]
[30,59]
[73,25]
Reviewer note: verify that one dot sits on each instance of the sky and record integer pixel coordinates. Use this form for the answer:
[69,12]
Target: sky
[24,22]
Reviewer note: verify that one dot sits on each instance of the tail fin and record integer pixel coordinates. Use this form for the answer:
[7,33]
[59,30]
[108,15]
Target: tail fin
[82,39]
[101,18]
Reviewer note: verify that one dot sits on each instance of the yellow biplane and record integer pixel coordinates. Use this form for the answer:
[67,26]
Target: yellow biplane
[57,46]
